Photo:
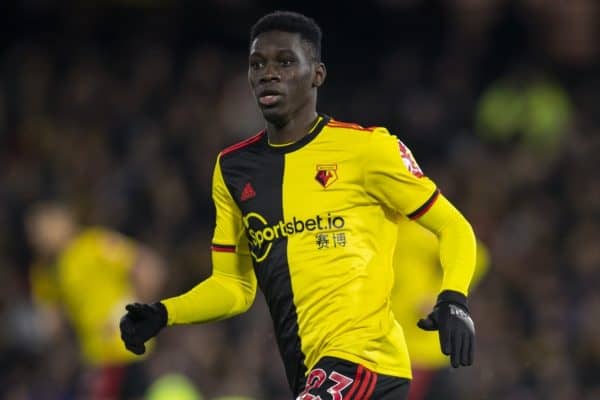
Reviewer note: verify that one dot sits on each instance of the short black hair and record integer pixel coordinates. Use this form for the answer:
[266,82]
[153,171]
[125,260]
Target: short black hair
[293,22]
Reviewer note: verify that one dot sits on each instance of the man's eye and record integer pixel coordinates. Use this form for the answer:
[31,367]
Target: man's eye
[286,63]
[256,65]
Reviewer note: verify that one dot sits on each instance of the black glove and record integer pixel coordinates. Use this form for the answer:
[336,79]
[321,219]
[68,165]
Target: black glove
[142,322]
[451,318]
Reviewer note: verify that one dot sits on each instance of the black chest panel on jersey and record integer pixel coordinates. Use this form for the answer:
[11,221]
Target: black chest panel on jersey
[254,177]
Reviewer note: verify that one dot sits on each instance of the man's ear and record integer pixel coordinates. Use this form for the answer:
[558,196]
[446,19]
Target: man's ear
[320,75]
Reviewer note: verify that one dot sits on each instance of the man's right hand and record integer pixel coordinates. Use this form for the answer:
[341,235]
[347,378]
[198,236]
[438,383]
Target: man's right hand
[141,323]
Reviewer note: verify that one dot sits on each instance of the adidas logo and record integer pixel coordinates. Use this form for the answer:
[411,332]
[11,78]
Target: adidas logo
[248,192]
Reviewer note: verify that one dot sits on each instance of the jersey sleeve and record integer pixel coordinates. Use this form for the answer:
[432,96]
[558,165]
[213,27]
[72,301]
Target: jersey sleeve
[229,233]
[231,288]
[394,178]
[457,244]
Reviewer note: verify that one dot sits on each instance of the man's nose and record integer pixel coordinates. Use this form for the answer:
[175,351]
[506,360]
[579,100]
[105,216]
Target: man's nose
[271,73]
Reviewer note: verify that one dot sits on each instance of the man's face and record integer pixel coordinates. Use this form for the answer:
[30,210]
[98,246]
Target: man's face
[283,74]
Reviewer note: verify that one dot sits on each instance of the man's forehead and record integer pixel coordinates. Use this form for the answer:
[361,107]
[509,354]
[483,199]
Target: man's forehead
[276,40]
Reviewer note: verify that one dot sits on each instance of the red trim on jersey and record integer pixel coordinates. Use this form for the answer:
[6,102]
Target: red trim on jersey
[224,248]
[425,207]
[364,386]
[356,384]
[349,125]
[243,143]
[371,387]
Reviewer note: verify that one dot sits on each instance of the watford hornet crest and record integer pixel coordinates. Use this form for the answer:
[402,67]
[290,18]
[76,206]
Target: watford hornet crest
[326,174]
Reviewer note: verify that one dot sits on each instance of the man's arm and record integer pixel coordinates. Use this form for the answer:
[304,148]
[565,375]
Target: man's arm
[231,288]
[450,315]
[457,244]
[229,291]
[393,177]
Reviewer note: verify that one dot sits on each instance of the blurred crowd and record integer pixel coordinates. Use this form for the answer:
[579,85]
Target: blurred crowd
[118,112]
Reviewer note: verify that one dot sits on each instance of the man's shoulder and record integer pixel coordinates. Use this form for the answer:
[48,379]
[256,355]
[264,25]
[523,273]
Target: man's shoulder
[365,135]
[245,144]
[360,130]
[349,126]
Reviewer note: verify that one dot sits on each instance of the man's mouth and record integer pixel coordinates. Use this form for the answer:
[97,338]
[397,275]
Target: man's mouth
[269,99]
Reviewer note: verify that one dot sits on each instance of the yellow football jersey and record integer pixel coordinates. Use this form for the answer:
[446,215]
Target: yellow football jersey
[319,219]
[94,286]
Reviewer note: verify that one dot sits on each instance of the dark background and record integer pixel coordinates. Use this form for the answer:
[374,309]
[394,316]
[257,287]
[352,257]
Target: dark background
[119,108]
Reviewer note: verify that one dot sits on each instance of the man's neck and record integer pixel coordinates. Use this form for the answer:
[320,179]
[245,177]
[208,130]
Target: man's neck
[293,130]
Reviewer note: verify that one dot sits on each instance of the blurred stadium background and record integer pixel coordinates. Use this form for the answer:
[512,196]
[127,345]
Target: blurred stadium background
[117,110]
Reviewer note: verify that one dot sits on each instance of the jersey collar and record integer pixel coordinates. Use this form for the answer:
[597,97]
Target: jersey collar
[321,121]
